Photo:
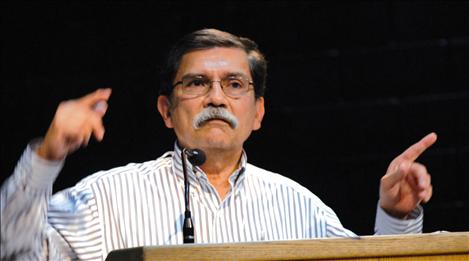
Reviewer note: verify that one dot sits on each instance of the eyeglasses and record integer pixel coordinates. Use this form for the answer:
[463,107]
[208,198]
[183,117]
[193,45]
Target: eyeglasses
[233,86]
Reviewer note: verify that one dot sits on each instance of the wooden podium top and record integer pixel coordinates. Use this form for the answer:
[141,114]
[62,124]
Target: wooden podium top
[432,246]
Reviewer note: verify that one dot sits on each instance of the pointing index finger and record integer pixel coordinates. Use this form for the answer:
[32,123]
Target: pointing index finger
[414,151]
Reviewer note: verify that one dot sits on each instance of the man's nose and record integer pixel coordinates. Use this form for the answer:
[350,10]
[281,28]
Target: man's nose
[216,95]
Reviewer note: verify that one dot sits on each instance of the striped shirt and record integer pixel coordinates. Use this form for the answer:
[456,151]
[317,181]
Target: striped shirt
[143,204]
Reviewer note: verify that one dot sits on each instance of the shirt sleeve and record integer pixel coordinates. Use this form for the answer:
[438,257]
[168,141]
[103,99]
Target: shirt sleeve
[388,225]
[25,196]
[334,227]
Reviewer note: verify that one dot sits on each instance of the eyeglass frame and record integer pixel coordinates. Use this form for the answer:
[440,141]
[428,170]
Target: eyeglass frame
[194,76]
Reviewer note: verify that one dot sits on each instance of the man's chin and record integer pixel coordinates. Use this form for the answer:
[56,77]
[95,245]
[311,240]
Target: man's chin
[216,143]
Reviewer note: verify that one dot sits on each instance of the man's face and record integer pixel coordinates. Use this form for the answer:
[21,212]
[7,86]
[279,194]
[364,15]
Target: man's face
[215,134]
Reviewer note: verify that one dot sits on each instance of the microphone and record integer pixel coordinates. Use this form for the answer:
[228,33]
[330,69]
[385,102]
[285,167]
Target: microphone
[196,157]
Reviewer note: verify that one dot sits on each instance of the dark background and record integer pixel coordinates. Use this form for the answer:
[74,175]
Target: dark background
[350,87]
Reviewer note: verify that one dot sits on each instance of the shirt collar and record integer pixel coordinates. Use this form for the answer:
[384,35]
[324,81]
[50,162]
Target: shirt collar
[194,172]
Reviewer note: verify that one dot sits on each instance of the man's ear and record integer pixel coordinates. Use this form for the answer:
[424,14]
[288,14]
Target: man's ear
[260,111]
[164,107]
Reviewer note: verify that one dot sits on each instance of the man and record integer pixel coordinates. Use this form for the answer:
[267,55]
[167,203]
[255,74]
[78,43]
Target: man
[212,96]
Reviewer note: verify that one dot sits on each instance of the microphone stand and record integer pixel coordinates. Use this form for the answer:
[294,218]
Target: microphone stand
[188,226]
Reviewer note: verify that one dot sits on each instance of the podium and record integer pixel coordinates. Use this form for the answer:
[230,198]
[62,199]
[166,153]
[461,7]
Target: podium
[431,246]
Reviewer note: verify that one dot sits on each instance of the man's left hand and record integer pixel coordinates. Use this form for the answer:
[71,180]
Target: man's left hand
[406,183]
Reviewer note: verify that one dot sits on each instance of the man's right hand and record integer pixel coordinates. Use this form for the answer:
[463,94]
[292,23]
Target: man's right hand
[73,124]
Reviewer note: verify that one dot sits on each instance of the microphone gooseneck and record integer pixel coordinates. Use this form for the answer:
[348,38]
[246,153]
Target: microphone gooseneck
[196,157]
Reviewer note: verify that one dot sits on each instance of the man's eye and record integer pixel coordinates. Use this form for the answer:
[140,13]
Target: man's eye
[235,84]
[196,83]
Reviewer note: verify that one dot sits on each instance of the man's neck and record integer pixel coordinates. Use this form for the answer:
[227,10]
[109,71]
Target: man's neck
[219,166]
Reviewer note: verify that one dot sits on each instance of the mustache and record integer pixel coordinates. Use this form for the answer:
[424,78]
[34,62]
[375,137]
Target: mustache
[212,113]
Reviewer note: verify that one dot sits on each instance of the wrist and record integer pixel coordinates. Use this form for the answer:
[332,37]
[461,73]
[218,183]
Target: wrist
[44,151]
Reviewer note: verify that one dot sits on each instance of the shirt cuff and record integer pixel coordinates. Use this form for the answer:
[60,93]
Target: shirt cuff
[388,225]
[43,172]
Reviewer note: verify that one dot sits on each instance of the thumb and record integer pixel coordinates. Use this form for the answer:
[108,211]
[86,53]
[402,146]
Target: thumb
[100,107]
[392,178]
[99,95]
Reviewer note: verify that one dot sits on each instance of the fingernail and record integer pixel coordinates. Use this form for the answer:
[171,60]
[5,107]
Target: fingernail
[100,106]
[421,182]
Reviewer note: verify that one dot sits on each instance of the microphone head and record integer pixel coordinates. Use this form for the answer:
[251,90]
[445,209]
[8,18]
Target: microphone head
[196,156]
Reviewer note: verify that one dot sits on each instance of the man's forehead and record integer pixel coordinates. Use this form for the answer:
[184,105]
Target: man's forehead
[215,59]
[215,64]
